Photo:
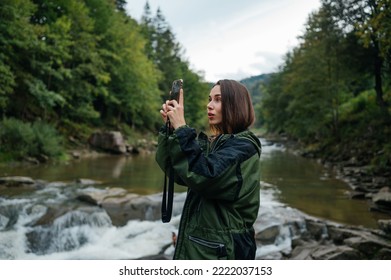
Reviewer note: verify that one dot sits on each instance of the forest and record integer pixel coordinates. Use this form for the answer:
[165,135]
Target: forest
[332,93]
[70,67]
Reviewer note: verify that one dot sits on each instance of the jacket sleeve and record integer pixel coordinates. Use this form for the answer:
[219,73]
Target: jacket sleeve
[215,175]
[162,156]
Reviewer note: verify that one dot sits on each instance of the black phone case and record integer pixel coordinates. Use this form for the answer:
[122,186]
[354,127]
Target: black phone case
[176,87]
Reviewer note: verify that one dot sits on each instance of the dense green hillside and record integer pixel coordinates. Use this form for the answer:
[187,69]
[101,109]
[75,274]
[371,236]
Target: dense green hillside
[256,84]
[333,91]
[69,67]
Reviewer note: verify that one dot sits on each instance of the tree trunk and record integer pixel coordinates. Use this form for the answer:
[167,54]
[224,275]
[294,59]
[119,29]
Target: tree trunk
[378,64]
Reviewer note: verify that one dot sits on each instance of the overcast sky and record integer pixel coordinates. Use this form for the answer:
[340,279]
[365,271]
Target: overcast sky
[232,39]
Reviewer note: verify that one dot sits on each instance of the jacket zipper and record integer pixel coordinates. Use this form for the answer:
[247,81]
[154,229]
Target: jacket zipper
[221,251]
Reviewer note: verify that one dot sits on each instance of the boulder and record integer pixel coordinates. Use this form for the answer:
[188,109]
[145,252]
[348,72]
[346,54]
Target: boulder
[381,202]
[268,235]
[16,181]
[385,225]
[96,196]
[110,141]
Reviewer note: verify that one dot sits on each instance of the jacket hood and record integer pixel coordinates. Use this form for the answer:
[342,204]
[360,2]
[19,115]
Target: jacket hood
[247,134]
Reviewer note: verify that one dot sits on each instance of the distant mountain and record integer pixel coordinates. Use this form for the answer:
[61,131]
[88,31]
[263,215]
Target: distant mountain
[254,85]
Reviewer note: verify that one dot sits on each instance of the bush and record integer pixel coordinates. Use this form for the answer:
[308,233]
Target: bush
[19,140]
[47,140]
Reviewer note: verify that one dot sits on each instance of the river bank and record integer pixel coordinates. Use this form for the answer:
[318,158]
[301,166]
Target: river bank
[78,214]
[80,220]
[352,166]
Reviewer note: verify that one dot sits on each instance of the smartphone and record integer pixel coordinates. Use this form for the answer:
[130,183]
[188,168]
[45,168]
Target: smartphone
[176,87]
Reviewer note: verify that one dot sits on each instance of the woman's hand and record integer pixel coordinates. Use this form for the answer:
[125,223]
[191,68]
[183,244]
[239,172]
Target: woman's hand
[174,111]
[163,112]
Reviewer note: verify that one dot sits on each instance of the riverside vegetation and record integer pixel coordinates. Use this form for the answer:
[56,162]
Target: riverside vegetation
[68,68]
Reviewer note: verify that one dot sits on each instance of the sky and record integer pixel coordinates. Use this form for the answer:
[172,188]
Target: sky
[232,39]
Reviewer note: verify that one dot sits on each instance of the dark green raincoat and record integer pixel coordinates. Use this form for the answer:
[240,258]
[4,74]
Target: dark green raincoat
[223,180]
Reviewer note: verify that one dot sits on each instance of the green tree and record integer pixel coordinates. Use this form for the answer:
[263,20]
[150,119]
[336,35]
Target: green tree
[167,54]
[133,95]
[370,21]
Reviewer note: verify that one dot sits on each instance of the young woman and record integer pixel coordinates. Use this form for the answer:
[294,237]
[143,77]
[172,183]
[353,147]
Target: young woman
[222,174]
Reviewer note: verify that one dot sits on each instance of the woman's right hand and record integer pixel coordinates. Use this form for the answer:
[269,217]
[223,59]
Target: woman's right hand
[175,111]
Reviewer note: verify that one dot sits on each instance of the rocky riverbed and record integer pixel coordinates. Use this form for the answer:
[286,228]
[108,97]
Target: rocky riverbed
[281,232]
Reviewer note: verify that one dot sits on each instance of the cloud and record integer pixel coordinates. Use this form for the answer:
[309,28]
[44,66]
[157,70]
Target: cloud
[234,39]
[267,61]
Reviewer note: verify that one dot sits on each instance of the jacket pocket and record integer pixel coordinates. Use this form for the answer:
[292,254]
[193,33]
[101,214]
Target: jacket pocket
[217,248]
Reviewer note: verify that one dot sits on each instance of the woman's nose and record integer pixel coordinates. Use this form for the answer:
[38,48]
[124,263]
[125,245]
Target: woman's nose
[209,106]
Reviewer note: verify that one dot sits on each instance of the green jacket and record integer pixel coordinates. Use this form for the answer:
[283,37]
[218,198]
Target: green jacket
[222,202]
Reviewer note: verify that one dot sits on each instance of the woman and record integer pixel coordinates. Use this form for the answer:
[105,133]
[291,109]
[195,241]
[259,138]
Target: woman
[222,174]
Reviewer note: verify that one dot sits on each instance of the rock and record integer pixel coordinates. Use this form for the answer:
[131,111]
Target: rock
[385,225]
[383,254]
[51,214]
[368,246]
[333,252]
[268,235]
[302,252]
[111,141]
[15,181]
[75,154]
[85,182]
[122,206]
[382,199]
[357,195]
[96,196]
[317,229]
[129,207]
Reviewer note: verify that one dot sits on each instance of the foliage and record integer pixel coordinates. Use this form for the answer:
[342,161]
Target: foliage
[332,91]
[20,140]
[85,64]
[166,54]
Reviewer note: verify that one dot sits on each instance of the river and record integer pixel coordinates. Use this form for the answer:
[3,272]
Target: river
[289,183]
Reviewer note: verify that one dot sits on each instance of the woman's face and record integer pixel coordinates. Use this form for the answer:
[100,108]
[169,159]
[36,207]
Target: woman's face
[214,106]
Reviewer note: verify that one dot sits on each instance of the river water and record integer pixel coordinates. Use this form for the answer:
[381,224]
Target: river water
[290,185]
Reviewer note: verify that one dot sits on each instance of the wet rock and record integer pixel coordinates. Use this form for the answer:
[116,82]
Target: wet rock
[368,246]
[111,141]
[381,202]
[122,206]
[383,254]
[317,230]
[96,196]
[316,239]
[314,251]
[385,225]
[16,181]
[131,207]
[75,154]
[268,235]
[85,182]
[339,242]
[138,207]
[52,213]
[333,252]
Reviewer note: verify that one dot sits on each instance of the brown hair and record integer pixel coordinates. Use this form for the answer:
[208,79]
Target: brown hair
[237,108]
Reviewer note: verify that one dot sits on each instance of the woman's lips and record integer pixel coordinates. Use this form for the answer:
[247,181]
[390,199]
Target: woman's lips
[210,115]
